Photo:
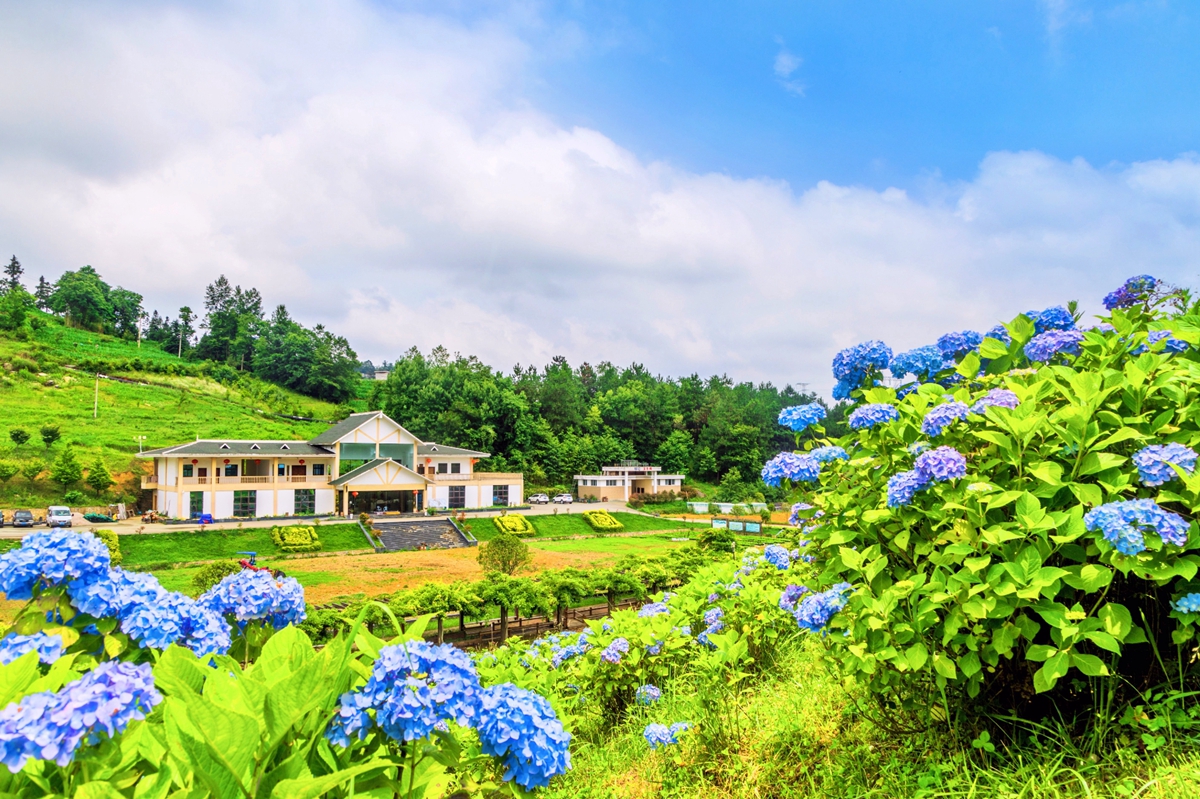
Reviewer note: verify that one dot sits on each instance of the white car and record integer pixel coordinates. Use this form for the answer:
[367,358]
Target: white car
[538,499]
[564,499]
[58,516]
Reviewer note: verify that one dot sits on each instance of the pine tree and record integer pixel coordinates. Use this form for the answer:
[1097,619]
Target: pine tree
[98,478]
[66,470]
[43,293]
[12,274]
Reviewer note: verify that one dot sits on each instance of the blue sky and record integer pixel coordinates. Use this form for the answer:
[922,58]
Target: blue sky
[709,187]
[877,93]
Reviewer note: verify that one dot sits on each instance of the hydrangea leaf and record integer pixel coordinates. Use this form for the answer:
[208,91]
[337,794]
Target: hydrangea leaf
[992,348]
[313,787]
[1095,462]
[1088,493]
[1090,665]
[1117,620]
[968,367]
[1089,577]
[1051,671]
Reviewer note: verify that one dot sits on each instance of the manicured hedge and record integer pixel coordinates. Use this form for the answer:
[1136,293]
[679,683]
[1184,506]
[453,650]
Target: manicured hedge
[296,538]
[601,521]
[513,523]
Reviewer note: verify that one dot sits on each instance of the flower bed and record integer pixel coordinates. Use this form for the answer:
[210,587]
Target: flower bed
[296,538]
[514,524]
[601,521]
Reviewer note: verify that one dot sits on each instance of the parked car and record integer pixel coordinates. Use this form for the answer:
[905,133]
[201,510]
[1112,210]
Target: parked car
[58,516]
[538,499]
[564,499]
[22,518]
[1,518]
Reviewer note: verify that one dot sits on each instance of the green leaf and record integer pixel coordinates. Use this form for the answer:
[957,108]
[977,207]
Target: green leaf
[1117,620]
[1090,665]
[16,677]
[1088,493]
[968,367]
[992,348]
[1039,653]
[1124,434]
[1089,577]
[944,666]
[313,787]
[1051,672]
[1095,462]
[916,656]
[1048,472]
[1104,641]
[97,790]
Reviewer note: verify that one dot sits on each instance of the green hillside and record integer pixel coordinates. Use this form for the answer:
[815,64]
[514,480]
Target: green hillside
[49,380]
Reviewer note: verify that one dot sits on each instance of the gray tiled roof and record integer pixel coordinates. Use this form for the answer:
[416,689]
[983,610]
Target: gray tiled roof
[241,449]
[366,467]
[441,449]
[347,425]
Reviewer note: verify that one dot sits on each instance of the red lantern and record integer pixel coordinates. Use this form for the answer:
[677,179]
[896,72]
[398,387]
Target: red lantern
[227,460]
[302,460]
[195,461]
[354,493]
[258,460]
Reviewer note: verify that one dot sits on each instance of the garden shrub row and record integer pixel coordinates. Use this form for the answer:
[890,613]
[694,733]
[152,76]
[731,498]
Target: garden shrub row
[513,523]
[296,538]
[601,521]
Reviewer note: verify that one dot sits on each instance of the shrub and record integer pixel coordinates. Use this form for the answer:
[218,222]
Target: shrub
[74,498]
[505,553]
[1026,534]
[716,538]
[296,538]
[213,573]
[602,522]
[8,470]
[513,523]
[113,543]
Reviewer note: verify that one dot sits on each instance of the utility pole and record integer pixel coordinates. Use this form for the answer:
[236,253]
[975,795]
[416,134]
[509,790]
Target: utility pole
[139,440]
[96,397]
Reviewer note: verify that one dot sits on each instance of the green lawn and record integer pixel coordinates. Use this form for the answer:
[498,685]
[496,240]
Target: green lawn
[563,524]
[141,550]
[181,579]
[648,546]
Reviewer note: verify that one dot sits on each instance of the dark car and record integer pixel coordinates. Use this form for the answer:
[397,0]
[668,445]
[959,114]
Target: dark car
[22,518]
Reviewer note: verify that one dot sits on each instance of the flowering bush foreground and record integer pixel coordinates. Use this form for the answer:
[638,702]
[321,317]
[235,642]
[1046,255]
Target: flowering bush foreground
[1019,518]
[112,686]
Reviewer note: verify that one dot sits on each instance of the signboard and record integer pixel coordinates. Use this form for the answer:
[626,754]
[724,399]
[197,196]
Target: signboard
[753,527]
[720,523]
[739,526]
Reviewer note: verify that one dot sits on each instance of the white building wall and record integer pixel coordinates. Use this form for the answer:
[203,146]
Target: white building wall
[287,501]
[264,503]
[326,497]
[208,502]
[224,509]
[172,470]
[166,503]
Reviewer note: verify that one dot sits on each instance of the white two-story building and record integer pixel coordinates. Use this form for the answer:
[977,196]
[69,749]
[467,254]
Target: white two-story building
[623,481]
[365,463]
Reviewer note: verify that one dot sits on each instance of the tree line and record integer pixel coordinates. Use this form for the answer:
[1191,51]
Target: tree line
[234,330]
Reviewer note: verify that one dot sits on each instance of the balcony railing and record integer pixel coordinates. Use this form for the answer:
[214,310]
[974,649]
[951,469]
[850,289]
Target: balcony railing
[265,479]
[477,477]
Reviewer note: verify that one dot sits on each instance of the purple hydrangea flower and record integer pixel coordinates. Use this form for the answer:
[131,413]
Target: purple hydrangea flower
[257,595]
[815,610]
[612,653]
[941,416]
[777,556]
[1056,318]
[1189,603]
[1123,524]
[653,609]
[903,486]
[1170,343]
[1000,333]
[829,453]
[54,557]
[1154,462]
[853,364]
[48,647]
[1044,346]
[871,415]
[941,464]
[1132,291]
[952,345]
[996,398]
[660,735]
[790,596]
[793,467]
[647,694]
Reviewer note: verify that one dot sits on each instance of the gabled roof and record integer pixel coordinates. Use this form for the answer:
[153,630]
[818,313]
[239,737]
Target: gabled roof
[353,474]
[441,449]
[347,425]
[240,448]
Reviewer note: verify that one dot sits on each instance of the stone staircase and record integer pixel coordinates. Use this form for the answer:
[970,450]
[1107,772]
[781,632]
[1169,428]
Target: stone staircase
[419,534]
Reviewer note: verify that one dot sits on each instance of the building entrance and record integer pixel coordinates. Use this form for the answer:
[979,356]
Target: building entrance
[385,502]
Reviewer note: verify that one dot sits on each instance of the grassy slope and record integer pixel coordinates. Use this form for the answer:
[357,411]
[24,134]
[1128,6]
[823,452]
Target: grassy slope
[141,550]
[171,410]
[573,524]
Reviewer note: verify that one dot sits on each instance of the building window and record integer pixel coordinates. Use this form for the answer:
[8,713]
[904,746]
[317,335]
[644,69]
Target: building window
[456,468]
[187,470]
[421,469]
[443,468]
[231,470]
[245,503]
[499,495]
[319,469]
[458,496]
[195,503]
[595,482]
[282,470]
[306,502]
[610,482]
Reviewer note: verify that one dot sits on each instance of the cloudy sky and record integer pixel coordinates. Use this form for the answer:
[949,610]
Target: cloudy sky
[697,186]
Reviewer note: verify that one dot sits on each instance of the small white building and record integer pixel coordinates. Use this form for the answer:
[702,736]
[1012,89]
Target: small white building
[365,463]
[623,481]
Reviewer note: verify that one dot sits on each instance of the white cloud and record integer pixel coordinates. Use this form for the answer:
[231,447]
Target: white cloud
[382,173]
[785,64]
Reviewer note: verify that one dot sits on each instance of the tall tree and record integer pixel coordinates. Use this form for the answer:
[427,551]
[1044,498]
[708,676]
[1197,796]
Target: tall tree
[12,276]
[127,312]
[183,329]
[83,297]
[66,471]
[43,292]
[506,553]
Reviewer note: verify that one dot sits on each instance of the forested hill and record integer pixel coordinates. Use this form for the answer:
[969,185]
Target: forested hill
[551,422]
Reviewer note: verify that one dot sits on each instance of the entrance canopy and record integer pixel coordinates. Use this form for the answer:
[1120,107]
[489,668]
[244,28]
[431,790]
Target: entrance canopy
[381,474]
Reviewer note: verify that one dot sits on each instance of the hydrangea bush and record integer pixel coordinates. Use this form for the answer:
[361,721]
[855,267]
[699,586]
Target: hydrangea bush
[1020,520]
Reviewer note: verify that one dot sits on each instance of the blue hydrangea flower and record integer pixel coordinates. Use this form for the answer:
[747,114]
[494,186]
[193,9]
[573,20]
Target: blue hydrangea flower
[1044,346]
[48,647]
[653,609]
[941,465]
[660,735]
[871,415]
[115,593]
[1132,291]
[852,365]
[941,416]
[829,453]
[996,398]
[790,596]
[1000,333]
[52,725]
[1123,524]
[794,518]
[612,653]
[175,618]
[1056,318]
[1154,462]
[800,417]
[952,345]
[922,362]
[654,648]
[647,694]
[521,729]
[1171,344]
[1187,604]
[714,621]
[790,466]
[53,557]
[815,610]
[777,556]
[412,687]
[903,486]
[251,595]
[570,651]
